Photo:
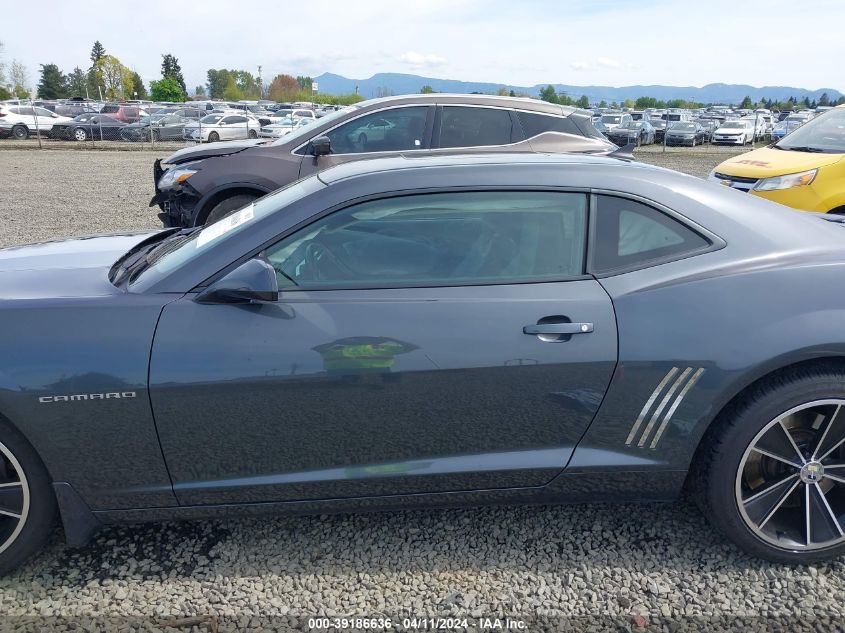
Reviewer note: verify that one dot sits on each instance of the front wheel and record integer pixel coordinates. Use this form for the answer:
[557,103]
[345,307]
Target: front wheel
[20,132]
[228,206]
[771,473]
[252,134]
[27,503]
[80,134]
[213,137]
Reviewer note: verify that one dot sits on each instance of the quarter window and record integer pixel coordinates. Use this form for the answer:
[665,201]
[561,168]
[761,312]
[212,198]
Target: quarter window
[475,127]
[629,233]
[534,124]
[396,130]
[446,239]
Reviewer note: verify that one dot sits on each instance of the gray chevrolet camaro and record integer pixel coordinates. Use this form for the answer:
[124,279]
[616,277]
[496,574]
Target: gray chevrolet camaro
[418,332]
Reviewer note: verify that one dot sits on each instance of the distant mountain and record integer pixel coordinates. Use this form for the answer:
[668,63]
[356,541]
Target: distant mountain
[398,83]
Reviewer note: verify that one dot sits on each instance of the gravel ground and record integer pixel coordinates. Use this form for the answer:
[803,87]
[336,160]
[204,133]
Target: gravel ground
[656,561]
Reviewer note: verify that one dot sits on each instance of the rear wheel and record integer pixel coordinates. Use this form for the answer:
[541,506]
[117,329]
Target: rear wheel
[27,503]
[20,132]
[771,475]
[80,134]
[213,137]
[252,134]
[228,206]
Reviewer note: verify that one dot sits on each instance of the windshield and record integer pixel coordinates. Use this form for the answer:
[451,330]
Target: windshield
[631,125]
[733,125]
[825,133]
[304,131]
[211,118]
[611,118]
[684,127]
[184,247]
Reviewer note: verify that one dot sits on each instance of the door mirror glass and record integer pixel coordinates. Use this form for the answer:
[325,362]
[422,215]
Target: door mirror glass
[253,281]
[321,146]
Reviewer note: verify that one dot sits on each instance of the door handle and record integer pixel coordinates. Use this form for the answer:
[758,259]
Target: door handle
[558,328]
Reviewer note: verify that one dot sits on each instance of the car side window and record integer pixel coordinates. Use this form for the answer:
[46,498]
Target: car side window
[399,129]
[534,124]
[474,127]
[629,234]
[441,239]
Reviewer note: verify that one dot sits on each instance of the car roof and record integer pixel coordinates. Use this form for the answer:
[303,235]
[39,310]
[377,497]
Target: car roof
[515,103]
[367,167]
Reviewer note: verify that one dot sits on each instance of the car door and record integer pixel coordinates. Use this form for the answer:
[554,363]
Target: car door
[423,343]
[409,131]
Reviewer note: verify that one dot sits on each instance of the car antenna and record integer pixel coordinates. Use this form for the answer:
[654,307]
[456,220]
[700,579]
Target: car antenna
[624,153]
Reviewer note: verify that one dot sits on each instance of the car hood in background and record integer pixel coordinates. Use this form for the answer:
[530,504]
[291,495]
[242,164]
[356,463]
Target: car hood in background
[76,267]
[208,150]
[766,162]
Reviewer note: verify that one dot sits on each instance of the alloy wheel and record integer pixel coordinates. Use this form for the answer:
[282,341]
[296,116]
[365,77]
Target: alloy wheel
[790,486]
[14,498]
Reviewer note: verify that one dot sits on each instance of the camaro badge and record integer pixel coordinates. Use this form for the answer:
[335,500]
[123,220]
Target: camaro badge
[89,396]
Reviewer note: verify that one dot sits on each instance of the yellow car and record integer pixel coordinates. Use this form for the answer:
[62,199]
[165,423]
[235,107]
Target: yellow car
[804,170]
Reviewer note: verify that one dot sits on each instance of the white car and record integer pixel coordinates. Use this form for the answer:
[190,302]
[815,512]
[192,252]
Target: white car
[20,121]
[296,113]
[758,124]
[615,119]
[221,127]
[283,127]
[737,132]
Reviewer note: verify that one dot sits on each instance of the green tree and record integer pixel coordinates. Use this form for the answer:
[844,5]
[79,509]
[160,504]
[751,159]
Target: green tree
[166,89]
[602,103]
[512,94]
[111,76]
[305,83]
[199,91]
[232,92]
[170,69]
[76,82]
[824,100]
[217,82]
[746,104]
[549,94]
[3,70]
[426,90]
[629,103]
[583,102]
[136,87]
[52,84]
[566,100]
[840,100]
[98,51]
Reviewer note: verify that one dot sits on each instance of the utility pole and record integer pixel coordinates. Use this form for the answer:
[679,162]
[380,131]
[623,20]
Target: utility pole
[260,84]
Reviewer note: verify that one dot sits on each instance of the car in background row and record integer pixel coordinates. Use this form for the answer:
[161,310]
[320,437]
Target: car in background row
[737,132]
[615,119]
[22,121]
[638,132]
[805,170]
[221,127]
[283,127]
[123,112]
[99,127]
[685,133]
[156,127]
[203,184]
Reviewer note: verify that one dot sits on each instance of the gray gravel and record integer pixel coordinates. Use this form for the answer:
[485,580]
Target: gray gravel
[658,561]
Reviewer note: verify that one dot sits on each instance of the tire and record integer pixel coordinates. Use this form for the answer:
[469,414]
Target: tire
[694,143]
[33,500]
[729,472]
[213,137]
[252,134]
[20,132]
[227,206]
[79,134]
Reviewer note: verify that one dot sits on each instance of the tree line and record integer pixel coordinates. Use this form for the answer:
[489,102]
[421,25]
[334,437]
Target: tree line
[109,79]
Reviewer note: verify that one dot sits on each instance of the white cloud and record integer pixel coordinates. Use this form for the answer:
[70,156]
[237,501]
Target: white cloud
[609,62]
[418,60]
[580,65]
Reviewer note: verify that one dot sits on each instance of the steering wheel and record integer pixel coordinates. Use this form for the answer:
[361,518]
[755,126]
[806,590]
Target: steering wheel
[324,264]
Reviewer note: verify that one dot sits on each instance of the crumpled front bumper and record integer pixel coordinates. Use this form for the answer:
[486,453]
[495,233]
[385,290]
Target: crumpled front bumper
[177,204]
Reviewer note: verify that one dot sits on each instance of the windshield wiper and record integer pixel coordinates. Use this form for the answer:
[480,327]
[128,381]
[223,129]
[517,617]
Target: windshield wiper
[127,268]
[805,148]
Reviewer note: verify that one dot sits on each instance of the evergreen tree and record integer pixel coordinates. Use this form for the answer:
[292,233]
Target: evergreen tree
[53,82]
[170,68]
[136,87]
[98,51]
[549,94]
[76,82]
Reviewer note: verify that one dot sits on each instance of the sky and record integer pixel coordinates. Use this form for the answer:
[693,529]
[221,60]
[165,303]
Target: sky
[515,42]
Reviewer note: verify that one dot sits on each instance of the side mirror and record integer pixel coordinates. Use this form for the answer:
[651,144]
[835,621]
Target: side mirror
[253,281]
[321,146]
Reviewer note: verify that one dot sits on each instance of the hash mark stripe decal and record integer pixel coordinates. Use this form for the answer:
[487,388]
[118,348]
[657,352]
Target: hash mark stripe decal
[675,405]
[669,375]
[663,404]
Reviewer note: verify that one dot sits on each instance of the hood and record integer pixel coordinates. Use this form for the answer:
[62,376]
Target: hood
[207,150]
[76,267]
[767,162]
